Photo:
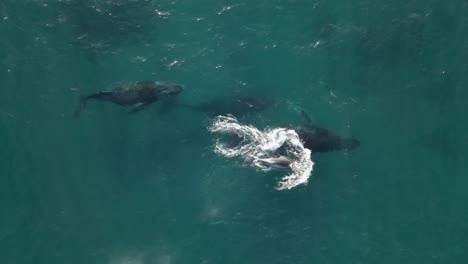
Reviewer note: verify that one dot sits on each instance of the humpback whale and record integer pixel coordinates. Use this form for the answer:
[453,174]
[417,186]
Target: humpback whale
[279,163]
[320,139]
[137,95]
[315,138]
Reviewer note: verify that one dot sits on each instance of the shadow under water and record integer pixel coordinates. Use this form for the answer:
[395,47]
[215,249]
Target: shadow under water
[101,26]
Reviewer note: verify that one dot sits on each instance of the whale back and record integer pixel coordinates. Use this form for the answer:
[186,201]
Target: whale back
[319,139]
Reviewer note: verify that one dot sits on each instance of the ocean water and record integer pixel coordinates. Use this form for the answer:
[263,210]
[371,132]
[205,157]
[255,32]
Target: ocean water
[110,187]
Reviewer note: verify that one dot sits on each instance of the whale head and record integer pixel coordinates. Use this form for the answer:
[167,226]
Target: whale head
[167,90]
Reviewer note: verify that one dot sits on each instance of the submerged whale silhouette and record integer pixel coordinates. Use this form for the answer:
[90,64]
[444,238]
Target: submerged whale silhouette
[138,95]
[319,139]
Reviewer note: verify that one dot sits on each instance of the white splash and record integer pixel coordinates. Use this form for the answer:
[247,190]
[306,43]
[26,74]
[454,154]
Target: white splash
[256,146]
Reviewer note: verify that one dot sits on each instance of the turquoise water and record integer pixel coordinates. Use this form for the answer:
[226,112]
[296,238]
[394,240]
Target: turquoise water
[110,187]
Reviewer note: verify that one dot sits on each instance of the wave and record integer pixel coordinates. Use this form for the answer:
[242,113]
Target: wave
[262,149]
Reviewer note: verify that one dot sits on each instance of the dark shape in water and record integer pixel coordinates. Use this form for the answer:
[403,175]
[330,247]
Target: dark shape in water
[104,27]
[239,106]
[315,138]
[319,139]
[138,95]
[403,41]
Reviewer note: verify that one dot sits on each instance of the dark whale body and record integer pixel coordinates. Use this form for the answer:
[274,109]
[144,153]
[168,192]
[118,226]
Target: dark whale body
[319,139]
[138,95]
[315,138]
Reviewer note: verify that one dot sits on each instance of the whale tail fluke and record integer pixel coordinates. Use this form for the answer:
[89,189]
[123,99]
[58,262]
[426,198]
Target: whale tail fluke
[80,106]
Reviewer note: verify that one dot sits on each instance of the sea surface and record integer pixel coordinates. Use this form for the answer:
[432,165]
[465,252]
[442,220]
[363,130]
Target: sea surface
[119,188]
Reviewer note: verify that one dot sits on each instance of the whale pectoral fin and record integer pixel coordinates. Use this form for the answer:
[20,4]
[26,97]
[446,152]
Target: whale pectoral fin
[306,117]
[138,107]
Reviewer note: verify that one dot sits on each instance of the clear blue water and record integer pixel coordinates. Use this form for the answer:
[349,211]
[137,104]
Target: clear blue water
[110,187]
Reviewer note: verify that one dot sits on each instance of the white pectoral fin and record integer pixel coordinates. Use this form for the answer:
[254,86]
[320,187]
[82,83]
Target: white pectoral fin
[138,106]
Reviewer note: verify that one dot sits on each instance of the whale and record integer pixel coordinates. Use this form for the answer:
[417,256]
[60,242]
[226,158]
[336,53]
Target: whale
[136,95]
[278,163]
[315,138]
[319,139]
